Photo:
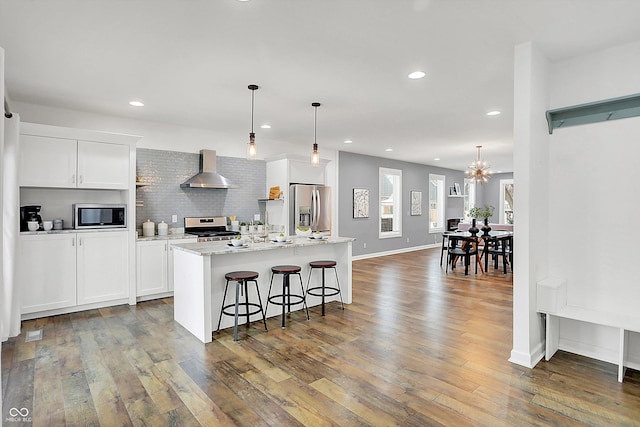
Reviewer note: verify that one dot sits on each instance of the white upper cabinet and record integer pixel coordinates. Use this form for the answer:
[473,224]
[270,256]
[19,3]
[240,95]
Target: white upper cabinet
[68,163]
[103,165]
[48,162]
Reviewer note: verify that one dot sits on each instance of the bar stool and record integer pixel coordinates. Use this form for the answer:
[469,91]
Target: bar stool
[241,278]
[324,290]
[286,295]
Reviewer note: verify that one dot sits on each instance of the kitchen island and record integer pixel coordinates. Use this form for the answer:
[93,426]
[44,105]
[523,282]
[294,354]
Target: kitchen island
[199,269]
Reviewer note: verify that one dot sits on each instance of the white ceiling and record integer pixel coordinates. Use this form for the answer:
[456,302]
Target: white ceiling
[190,61]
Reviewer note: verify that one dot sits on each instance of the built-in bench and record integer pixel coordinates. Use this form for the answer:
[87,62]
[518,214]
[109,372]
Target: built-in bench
[552,301]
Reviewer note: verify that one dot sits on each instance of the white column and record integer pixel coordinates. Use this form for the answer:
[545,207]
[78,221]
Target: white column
[531,164]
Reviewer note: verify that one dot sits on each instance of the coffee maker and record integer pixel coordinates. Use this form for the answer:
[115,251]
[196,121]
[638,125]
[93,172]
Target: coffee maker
[30,213]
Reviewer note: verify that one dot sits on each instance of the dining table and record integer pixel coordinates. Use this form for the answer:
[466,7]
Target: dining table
[499,238]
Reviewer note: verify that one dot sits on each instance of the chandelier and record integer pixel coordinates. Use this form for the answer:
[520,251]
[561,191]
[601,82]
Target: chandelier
[478,171]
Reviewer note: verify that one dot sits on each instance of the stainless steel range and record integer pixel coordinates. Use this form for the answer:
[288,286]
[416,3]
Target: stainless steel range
[209,229]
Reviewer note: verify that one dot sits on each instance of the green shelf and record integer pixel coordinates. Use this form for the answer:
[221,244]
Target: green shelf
[593,112]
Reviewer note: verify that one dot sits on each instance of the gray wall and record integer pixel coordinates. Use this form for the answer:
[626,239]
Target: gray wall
[358,171]
[489,193]
[163,197]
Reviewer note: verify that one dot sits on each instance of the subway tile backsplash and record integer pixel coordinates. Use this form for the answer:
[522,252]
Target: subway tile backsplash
[164,171]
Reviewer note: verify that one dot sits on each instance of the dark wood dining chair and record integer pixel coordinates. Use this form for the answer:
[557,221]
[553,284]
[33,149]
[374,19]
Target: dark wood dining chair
[462,247]
[497,248]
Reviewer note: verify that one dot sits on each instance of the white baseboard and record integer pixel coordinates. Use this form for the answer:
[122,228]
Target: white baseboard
[525,359]
[397,251]
[588,350]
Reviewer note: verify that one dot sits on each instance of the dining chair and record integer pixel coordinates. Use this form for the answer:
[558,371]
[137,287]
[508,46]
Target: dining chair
[462,247]
[501,248]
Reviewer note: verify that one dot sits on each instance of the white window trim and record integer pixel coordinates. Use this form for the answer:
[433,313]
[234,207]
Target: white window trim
[441,200]
[397,204]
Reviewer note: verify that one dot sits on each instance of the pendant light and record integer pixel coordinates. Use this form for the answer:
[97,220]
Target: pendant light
[478,171]
[315,157]
[251,147]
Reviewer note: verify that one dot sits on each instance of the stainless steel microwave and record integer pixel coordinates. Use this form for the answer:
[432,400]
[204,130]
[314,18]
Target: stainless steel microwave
[99,215]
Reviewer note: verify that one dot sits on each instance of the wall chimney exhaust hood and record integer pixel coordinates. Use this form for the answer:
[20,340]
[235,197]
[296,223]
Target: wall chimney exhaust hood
[208,177]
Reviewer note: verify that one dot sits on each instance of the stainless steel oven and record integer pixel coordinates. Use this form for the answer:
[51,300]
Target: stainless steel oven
[99,215]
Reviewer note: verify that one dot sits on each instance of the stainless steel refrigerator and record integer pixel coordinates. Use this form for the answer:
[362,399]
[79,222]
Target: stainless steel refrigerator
[310,207]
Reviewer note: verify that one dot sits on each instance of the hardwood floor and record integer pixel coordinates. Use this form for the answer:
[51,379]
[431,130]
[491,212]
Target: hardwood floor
[416,348]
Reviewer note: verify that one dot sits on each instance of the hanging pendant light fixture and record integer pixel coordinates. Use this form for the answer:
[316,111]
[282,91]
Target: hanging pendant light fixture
[315,156]
[251,148]
[478,171]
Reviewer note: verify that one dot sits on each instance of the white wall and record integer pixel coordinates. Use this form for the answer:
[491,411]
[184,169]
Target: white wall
[593,169]
[587,212]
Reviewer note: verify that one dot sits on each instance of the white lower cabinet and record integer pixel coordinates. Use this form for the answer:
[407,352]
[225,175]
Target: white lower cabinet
[154,266]
[46,271]
[60,271]
[103,267]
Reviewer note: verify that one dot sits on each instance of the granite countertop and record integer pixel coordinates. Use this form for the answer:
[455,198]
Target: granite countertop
[167,237]
[222,248]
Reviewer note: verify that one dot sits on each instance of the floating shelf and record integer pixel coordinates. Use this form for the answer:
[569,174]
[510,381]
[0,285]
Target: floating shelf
[271,200]
[593,112]
[455,195]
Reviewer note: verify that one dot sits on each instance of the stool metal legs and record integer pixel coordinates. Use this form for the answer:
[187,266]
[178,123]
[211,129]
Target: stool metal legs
[241,285]
[286,296]
[325,291]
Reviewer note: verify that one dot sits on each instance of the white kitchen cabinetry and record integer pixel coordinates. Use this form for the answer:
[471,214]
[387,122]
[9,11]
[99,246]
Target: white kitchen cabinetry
[46,271]
[154,265]
[103,267]
[103,165]
[69,270]
[68,163]
[48,162]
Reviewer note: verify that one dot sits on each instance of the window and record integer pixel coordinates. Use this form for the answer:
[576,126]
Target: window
[506,201]
[436,203]
[390,203]
[469,198]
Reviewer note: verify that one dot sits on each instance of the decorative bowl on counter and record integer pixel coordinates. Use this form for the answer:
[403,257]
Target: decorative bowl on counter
[303,231]
[236,242]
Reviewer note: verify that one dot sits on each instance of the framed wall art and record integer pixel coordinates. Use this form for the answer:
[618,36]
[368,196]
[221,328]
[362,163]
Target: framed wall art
[360,203]
[416,203]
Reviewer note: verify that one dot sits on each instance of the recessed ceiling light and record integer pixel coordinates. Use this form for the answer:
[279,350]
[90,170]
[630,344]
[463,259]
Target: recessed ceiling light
[136,103]
[417,75]
[389,149]
[493,113]
[348,141]
[437,159]
[266,126]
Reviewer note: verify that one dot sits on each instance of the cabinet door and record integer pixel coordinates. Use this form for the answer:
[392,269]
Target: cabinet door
[47,162]
[302,173]
[151,267]
[103,165]
[102,267]
[170,258]
[46,272]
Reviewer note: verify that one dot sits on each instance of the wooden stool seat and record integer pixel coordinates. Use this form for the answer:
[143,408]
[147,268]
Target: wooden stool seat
[241,275]
[322,264]
[282,269]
